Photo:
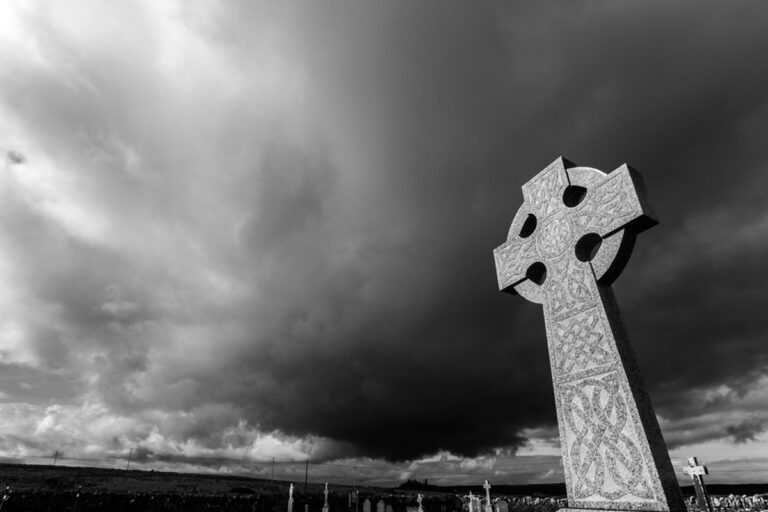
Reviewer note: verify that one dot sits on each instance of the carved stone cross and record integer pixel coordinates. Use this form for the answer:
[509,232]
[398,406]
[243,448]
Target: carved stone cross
[325,495]
[697,472]
[568,241]
[487,487]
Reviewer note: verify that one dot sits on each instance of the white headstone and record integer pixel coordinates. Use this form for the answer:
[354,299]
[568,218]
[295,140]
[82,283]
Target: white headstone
[367,505]
[380,506]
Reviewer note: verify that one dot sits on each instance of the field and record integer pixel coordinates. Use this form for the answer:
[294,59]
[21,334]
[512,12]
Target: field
[31,488]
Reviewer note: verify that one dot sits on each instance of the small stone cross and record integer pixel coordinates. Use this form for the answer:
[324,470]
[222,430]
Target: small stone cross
[325,494]
[487,488]
[569,240]
[290,498]
[471,503]
[697,472]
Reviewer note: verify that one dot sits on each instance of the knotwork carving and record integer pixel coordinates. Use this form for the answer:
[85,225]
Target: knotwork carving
[613,199]
[580,343]
[603,448]
[554,237]
[570,289]
[545,191]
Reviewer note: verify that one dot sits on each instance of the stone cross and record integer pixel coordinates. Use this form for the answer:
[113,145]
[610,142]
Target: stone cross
[290,498]
[487,488]
[419,497]
[325,495]
[471,503]
[567,243]
[697,472]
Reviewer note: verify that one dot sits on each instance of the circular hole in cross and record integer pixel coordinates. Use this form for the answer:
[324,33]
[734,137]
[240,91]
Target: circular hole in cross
[529,226]
[587,247]
[537,273]
[573,195]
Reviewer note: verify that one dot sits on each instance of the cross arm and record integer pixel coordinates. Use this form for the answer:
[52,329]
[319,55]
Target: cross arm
[513,258]
[616,202]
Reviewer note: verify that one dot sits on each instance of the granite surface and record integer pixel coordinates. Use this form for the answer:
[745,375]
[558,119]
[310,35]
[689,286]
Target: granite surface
[584,227]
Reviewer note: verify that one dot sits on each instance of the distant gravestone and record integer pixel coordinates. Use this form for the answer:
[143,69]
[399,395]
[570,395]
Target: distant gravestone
[389,508]
[476,506]
[487,487]
[380,506]
[501,506]
[697,471]
[471,503]
[367,505]
[567,243]
[290,498]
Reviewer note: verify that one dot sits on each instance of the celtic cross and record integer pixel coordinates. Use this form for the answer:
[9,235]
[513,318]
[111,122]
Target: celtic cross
[568,241]
[697,472]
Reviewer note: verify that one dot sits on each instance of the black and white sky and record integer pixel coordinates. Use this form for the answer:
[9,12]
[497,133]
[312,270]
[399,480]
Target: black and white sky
[232,231]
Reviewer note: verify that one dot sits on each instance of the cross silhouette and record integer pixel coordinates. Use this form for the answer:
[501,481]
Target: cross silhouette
[568,242]
[697,472]
[487,487]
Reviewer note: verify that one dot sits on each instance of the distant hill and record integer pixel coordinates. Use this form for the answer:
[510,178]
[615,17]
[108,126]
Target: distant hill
[61,478]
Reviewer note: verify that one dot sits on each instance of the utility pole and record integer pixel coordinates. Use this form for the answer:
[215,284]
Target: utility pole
[273,471]
[357,494]
[128,466]
[306,474]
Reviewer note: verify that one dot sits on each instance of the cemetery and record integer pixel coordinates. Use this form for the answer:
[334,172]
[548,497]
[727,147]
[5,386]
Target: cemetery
[83,489]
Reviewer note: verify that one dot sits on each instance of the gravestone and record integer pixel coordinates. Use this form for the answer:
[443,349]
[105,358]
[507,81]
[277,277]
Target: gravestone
[471,503]
[325,498]
[567,243]
[419,497]
[476,503]
[501,506]
[487,488]
[367,505]
[389,508]
[697,472]
[380,506]
[290,498]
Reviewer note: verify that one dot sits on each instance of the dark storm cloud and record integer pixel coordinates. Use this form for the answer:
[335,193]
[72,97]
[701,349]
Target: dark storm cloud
[470,101]
[302,241]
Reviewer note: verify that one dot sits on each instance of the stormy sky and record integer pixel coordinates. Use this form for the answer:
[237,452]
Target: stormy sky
[233,231]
